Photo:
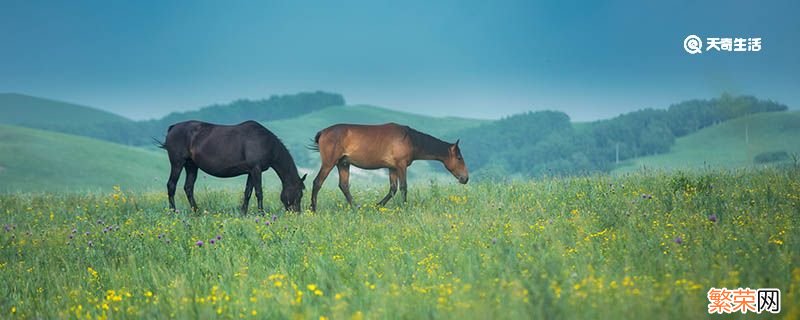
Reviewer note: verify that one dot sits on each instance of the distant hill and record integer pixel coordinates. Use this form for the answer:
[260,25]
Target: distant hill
[548,143]
[38,160]
[34,160]
[731,144]
[274,108]
[33,112]
[28,111]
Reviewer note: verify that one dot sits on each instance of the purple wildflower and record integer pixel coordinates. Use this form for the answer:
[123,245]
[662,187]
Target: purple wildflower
[74,230]
[494,240]
[678,240]
[274,217]
[87,233]
[199,243]
[91,244]
[212,241]
[712,217]
[219,237]
[266,223]
[258,220]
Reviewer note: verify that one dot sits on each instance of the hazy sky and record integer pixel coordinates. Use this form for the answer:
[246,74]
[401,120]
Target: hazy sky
[487,59]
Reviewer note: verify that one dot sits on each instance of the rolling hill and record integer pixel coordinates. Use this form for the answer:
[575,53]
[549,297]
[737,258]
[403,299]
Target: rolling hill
[28,111]
[37,160]
[731,144]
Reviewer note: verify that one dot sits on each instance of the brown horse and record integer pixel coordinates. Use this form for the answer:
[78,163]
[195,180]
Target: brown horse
[389,146]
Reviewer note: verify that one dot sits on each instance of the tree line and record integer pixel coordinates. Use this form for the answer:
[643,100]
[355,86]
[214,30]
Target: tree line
[548,143]
[140,133]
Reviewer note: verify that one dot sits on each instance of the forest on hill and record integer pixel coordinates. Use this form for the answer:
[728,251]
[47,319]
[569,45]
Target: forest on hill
[43,114]
[548,143]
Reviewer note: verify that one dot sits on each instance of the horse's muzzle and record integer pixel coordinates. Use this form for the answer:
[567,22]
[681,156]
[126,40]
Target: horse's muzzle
[463,180]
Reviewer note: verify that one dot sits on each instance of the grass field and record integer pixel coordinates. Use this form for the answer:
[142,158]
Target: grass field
[631,246]
[731,144]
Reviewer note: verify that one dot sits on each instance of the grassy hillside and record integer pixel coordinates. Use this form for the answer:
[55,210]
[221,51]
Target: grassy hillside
[19,109]
[37,160]
[41,160]
[725,145]
[575,248]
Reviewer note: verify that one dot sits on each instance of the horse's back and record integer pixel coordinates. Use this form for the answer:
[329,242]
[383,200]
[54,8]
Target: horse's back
[223,150]
[193,131]
[366,146]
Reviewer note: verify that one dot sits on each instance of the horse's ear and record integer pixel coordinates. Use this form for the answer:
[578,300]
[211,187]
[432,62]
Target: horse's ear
[457,141]
[304,177]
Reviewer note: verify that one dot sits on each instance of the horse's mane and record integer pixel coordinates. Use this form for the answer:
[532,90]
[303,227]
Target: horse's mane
[426,144]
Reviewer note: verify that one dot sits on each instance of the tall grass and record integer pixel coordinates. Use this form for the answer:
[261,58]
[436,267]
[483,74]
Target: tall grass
[648,244]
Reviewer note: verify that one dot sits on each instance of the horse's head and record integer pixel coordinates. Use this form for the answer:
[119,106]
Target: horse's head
[292,194]
[455,163]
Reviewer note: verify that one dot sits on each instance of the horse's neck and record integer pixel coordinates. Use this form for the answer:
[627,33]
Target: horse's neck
[284,167]
[429,148]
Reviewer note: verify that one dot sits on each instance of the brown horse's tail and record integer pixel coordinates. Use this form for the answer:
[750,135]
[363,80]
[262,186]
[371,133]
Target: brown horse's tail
[315,145]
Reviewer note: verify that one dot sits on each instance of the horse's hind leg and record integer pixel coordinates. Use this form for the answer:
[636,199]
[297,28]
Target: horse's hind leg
[188,186]
[256,174]
[174,174]
[324,170]
[344,180]
[401,175]
[392,187]
[248,191]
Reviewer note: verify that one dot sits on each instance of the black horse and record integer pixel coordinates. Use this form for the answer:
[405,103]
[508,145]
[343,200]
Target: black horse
[229,151]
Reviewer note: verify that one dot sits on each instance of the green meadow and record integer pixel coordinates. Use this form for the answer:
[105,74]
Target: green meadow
[731,144]
[648,244]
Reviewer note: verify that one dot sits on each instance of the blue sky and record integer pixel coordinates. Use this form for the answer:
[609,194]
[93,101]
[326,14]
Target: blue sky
[143,59]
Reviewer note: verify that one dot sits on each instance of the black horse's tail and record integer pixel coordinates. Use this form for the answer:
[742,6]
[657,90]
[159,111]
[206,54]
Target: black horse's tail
[159,144]
[315,145]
